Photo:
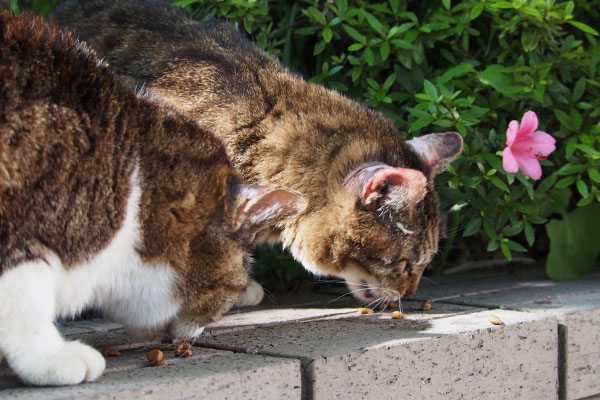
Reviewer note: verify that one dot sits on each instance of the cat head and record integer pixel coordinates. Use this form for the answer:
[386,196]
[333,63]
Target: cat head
[381,229]
[218,255]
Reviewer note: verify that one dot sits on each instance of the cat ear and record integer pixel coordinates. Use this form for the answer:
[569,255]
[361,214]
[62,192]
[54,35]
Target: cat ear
[259,206]
[393,185]
[437,149]
[377,184]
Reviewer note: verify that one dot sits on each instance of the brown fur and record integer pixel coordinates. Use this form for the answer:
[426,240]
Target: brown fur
[70,138]
[278,129]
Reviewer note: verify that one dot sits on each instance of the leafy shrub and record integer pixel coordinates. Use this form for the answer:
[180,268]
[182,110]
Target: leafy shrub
[470,66]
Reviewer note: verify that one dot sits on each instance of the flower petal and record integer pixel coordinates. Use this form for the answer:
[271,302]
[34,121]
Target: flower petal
[530,166]
[539,144]
[509,163]
[511,132]
[529,124]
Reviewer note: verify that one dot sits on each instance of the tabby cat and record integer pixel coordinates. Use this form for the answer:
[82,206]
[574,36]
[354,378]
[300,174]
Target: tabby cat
[372,215]
[112,200]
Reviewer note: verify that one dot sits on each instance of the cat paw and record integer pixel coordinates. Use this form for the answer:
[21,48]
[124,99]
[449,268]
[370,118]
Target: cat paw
[74,363]
[251,296]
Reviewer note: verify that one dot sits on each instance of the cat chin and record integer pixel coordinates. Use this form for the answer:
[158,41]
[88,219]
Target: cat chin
[365,286]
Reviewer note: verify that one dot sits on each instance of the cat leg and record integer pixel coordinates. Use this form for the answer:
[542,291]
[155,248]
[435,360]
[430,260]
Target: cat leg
[251,296]
[31,343]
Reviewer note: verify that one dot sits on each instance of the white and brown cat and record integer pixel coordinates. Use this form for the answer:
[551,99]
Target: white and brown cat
[372,215]
[111,200]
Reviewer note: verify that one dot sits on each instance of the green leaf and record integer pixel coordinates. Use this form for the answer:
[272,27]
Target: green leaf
[316,15]
[594,174]
[571,169]
[374,22]
[369,56]
[578,90]
[430,90]
[529,233]
[515,246]
[472,226]
[494,161]
[492,245]
[355,47]
[384,50]
[455,72]
[356,73]
[446,4]
[582,188]
[512,230]
[574,243]
[389,82]
[420,123]
[319,47]
[494,76]
[499,184]
[476,11]
[327,34]
[488,229]
[564,119]
[584,27]
[403,44]
[505,251]
[354,33]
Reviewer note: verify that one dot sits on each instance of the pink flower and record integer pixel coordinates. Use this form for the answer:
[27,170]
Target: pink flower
[525,146]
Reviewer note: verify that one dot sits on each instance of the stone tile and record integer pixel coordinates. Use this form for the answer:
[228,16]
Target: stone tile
[461,356]
[579,322]
[222,376]
[209,373]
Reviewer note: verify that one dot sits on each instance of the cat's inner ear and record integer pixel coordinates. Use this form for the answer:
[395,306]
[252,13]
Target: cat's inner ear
[437,149]
[257,207]
[379,184]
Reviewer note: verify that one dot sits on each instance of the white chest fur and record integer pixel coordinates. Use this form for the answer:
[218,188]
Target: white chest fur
[116,280]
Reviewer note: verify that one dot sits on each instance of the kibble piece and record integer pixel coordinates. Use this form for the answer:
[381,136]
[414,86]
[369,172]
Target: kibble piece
[397,315]
[425,306]
[162,363]
[365,310]
[155,357]
[184,350]
[110,352]
[494,319]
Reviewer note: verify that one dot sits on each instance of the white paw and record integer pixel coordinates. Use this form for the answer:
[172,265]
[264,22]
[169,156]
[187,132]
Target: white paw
[251,296]
[74,363]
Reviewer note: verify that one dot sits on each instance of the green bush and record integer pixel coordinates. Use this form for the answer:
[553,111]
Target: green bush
[470,66]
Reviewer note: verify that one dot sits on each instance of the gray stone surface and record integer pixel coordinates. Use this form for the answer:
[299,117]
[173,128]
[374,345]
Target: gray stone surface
[221,376]
[579,329]
[208,373]
[462,356]
[575,304]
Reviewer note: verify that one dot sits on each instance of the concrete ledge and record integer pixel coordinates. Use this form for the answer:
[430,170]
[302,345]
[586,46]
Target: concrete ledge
[315,346]
[374,357]
[209,373]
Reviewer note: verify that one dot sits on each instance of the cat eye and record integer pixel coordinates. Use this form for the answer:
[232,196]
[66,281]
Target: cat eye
[408,267]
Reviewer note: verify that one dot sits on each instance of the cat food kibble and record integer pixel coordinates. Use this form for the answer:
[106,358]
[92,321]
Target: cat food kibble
[155,357]
[494,319]
[397,315]
[183,350]
[425,306]
[365,310]
[110,352]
